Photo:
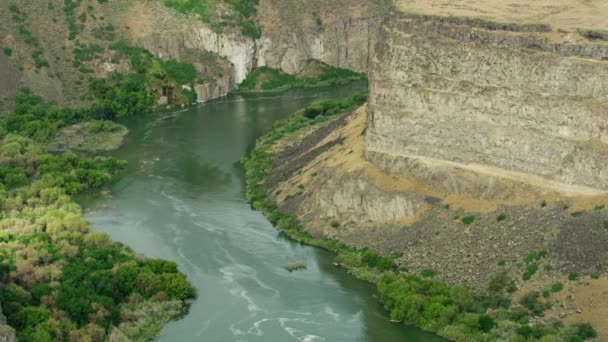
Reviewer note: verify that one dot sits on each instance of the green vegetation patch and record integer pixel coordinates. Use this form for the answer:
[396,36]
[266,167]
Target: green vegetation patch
[58,279]
[321,74]
[468,219]
[7,51]
[535,256]
[295,266]
[92,136]
[557,287]
[182,73]
[242,14]
[530,271]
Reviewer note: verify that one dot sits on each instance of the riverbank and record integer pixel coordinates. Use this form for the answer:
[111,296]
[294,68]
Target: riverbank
[454,312]
[315,74]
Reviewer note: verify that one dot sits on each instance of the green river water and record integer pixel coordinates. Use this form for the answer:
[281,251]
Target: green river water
[182,198]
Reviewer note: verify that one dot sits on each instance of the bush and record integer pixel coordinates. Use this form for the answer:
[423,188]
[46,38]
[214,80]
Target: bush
[7,51]
[468,219]
[102,126]
[530,271]
[585,331]
[182,73]
[486,323]
[501,217]
[499,282]
[531,302]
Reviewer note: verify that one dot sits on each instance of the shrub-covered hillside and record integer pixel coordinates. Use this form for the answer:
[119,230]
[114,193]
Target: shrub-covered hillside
[59,280]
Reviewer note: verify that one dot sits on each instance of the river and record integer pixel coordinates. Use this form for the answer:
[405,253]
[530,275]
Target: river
[182,198]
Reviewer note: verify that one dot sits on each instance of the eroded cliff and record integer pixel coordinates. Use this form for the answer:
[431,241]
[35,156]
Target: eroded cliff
[460,91]
[339,33]
[485,140]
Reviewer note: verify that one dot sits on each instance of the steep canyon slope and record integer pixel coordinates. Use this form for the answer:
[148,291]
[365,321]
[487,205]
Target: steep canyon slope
[43,42]
[485,140]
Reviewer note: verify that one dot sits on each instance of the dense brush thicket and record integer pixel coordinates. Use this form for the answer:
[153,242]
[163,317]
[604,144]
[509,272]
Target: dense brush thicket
[59,280]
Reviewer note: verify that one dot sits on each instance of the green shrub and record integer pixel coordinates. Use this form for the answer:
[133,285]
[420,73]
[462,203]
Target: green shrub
[501,217]
[100,126]
[499,282]
[573,276]
[468,219]
[295,266]
[7,51]
[585,331]
[530,271]
[531,302]
[486,323]
[535,256]
[428,273]
[182,73]
[39,61]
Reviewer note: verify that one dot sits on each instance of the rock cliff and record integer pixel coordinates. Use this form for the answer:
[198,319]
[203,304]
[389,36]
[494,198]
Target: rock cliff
[485,139]
[519,98]
[293,33]
[339,33]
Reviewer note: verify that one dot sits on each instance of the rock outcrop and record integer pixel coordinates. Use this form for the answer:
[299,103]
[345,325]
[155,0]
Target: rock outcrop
[485,140]
[293,33]
[472,93]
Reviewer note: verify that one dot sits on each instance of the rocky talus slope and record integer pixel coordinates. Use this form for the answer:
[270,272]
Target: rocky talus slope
[485,140]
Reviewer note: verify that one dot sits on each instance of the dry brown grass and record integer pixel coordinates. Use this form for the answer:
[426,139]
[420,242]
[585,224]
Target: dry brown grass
[564,14]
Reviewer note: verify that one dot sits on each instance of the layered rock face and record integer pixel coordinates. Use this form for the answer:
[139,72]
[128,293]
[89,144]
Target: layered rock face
[338,32]
[474,94]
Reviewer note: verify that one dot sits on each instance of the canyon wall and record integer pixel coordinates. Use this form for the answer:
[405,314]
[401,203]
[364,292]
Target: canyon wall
[338,32]
[475,94]
[293,33]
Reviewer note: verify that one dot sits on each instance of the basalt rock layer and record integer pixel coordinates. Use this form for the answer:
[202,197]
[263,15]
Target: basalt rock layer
[473,93]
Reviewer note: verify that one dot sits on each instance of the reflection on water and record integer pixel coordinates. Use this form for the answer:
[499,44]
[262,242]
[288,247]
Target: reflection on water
[182,198]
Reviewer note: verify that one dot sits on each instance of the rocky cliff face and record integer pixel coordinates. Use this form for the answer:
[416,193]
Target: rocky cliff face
[502,121]
[293,33]
[516,98]
[337,32]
